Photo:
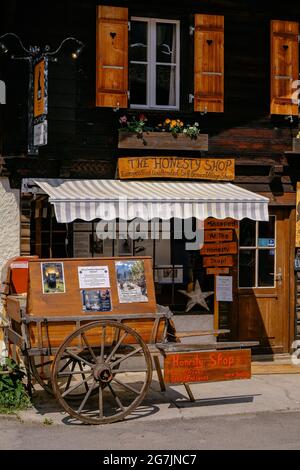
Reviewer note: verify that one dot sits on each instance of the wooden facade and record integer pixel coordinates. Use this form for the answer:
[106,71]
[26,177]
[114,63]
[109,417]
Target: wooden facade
[244,107]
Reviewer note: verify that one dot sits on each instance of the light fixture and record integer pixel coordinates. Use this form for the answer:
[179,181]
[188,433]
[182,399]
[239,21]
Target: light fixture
[3,48]
[78,51]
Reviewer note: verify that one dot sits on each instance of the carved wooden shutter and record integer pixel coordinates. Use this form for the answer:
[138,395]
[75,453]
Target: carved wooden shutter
[112,57]
[284,66]
[209,63]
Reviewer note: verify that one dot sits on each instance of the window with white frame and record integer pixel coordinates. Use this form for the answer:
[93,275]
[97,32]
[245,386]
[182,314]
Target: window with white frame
[257,253]
[154,63]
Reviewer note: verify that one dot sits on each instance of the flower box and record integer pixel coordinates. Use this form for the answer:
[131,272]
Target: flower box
[162,141]
[296,145]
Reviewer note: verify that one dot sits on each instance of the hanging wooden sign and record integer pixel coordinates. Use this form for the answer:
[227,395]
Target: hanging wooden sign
[218,261]
[217,271]
[212,223]
[207,366]
[218,235]
[176,167]
[219,249]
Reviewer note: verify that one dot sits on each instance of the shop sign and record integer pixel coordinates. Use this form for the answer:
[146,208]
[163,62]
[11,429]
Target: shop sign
[176,167]
[298,216]
[219,249]
[218,261]
[39,101]
[40,134]
[218,235]
[212,223]
[207,366]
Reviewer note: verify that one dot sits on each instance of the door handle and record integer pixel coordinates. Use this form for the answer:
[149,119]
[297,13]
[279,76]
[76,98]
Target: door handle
[278,276]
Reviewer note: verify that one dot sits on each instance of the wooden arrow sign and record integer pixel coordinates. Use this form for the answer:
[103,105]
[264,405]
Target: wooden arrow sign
[218,236]
[219,249]
[221,261]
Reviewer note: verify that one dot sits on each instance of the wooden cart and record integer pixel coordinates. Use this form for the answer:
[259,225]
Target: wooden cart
[89,331]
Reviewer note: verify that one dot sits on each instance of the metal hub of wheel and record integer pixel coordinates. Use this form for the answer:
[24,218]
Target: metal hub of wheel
[111,372]
[102,373]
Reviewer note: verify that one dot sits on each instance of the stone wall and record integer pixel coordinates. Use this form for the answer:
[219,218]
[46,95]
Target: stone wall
[9,228]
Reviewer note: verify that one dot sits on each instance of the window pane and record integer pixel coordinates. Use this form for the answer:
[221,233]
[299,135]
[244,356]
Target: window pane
[247,232]
[247,268]
[165,85]
[138,86]
[266,268]
[166,42]
[266,232]
[138,41]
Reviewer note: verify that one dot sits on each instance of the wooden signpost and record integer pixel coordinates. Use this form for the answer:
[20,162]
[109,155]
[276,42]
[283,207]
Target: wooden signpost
[217,250]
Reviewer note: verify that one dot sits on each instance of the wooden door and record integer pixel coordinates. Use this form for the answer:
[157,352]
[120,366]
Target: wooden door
[266,282]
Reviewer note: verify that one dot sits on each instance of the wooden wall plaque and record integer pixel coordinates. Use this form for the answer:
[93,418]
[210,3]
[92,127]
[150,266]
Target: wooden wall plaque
[217,271]
[207,366]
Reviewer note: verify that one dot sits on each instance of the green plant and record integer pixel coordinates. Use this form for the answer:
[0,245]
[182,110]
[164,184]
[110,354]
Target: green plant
[48,421]
[13,396]
[135,125]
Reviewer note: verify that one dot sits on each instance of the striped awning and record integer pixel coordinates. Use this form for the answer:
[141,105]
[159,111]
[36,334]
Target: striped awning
[111,199]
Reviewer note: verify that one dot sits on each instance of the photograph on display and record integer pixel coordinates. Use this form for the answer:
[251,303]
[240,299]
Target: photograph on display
[53,279]
[98,300]
[131,281]
[167,274]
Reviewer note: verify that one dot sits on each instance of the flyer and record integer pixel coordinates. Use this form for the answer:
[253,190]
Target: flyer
[224,288]
[53,278]
[131,281]
[96,300]
[93,277]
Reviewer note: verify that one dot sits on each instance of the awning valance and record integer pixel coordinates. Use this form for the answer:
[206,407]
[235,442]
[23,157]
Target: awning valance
[110,199]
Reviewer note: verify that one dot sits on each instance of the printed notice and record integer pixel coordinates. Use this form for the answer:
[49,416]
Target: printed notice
[224,288]
[93,277]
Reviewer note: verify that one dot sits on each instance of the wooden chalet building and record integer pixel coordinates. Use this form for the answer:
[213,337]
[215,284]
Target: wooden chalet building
[228,65]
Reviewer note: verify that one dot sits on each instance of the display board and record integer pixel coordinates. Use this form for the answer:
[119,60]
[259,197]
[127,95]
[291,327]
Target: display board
[81,286]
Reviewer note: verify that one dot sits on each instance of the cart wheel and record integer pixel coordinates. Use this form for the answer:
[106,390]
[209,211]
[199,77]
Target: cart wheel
[41,370]
[113,360]
[41,367]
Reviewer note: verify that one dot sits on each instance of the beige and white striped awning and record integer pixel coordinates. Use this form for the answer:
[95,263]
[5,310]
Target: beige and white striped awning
[111,199]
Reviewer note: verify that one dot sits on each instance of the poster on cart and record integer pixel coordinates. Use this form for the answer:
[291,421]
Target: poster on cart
[131,281]
[53,278]
[93,277]
[96,300]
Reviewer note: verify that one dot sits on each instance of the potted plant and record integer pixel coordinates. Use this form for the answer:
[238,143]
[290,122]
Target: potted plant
[296,143]
[172,134]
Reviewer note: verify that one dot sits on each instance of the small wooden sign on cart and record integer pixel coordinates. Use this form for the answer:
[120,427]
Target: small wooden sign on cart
[207,366]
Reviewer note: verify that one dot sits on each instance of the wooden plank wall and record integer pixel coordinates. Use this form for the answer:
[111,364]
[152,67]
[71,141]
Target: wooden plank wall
[83,138]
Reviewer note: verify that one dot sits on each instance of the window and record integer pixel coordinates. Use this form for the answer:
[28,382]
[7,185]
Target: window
[154,63]
[257,253]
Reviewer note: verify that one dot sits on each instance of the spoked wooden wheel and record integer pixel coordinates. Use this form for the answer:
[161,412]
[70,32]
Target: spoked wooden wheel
[111,359]
[41,367]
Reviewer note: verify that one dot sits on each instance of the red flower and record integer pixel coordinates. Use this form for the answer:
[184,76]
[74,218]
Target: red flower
[142,117]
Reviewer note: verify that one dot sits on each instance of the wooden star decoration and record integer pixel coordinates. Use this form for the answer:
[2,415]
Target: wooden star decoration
[196,297]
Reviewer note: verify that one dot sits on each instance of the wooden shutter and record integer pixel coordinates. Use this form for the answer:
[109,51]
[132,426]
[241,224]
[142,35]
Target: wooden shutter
[284,66]
[209,63]
[112,57]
